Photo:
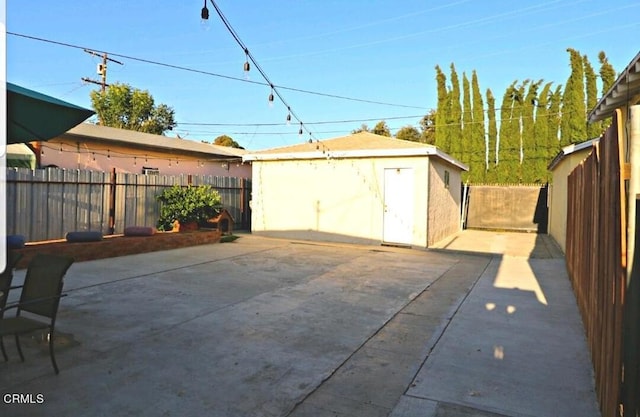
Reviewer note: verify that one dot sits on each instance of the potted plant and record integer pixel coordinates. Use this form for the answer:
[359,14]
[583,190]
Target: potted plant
[189,206]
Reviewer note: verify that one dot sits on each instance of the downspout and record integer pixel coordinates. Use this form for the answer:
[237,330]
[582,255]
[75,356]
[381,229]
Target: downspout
[634,182]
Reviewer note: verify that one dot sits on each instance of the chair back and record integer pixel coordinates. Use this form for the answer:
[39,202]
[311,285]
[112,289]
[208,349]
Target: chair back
[43,284]
[7,276]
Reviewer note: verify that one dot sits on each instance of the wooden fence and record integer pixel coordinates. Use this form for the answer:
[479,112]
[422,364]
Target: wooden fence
[45,204]
[596,261]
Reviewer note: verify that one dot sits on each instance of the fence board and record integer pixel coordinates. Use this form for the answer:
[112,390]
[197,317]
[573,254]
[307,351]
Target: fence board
[46,204]
[596,248]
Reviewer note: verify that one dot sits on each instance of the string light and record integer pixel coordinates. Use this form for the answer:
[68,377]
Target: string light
[250,57]
[271,97]
[246,67]
[288,116]
[204,14]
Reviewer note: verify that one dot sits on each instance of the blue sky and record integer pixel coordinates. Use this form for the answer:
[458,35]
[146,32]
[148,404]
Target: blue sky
[377,50]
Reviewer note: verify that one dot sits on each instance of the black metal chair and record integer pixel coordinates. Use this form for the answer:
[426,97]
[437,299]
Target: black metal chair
[5,286]
[39,299]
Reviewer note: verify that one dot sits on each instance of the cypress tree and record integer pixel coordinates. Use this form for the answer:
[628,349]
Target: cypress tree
[467,123]
[541,134]
[455,116]
[507,156]
[553,140]
[528,151]
[492,139]
[608,77]
[593,129]
[516,129]
[442,131]
[478,146]
[573,128]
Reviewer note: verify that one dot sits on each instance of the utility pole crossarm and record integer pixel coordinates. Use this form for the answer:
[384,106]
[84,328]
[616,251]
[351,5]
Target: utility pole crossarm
[102,69]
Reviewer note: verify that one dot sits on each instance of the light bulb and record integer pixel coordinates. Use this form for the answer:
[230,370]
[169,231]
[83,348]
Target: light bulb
[271,99]
[246,67]
[204,17]
[289,116]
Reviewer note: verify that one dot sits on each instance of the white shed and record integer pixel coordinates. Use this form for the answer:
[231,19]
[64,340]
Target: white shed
[361,188]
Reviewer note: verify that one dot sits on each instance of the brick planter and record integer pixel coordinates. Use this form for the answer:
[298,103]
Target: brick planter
[113,246]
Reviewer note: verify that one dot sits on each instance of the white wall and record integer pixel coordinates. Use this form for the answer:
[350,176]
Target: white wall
[336,199]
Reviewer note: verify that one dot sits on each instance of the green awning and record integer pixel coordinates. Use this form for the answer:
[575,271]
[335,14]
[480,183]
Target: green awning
[35,116]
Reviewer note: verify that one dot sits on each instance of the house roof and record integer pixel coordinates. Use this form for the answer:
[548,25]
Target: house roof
[625,90]
[570,149]
[357,145]
[149,141]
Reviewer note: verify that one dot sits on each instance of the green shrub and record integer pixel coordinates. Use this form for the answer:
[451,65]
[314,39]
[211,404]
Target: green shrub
[187,205]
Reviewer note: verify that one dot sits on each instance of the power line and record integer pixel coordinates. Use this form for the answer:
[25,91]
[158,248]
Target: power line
[308,123]
[213,74]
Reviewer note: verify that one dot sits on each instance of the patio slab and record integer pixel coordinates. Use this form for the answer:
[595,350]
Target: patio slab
[245,328]
[486,326]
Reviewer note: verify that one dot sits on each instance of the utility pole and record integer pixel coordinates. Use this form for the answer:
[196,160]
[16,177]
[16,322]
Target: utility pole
[101,70]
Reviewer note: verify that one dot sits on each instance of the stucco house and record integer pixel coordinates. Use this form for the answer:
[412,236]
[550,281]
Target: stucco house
[360,188]
[561,166]
[101,148]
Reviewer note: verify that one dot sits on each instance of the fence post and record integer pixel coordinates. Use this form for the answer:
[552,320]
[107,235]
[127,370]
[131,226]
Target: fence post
[112,202]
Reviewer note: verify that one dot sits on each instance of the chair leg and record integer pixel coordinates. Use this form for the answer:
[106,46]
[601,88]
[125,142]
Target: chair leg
[19,348]
[53,358]
[4,352]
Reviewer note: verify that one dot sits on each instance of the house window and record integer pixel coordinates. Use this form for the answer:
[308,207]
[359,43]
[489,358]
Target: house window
[446,179]
[150,171]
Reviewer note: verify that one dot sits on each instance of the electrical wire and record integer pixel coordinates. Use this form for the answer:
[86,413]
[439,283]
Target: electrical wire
[213,74]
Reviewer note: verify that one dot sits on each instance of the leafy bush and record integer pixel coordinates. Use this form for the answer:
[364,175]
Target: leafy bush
[187,205]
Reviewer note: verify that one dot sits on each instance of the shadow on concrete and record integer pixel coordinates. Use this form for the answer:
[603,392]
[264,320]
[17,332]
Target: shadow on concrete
[515,342]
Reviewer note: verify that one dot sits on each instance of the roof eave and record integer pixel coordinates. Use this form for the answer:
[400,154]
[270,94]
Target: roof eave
[571,149]
[624,90]
[363,153]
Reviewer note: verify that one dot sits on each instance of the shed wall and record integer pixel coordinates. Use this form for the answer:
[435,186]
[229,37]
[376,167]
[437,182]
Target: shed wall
[444,201]
[335,199]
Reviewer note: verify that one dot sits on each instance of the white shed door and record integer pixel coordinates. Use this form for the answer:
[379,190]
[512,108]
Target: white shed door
[398,206]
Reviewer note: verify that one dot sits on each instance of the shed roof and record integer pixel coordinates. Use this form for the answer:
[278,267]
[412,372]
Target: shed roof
[570,149]
[105,134]
[357,145]
[625,90]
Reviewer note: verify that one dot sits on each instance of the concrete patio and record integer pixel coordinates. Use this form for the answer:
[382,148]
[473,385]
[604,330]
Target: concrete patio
[268,327]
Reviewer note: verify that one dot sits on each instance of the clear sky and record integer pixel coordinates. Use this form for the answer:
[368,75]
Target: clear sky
[374,51]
